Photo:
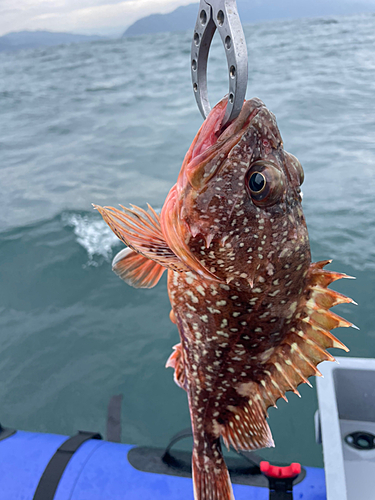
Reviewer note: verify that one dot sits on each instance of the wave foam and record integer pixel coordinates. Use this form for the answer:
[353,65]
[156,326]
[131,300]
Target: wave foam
[93,235]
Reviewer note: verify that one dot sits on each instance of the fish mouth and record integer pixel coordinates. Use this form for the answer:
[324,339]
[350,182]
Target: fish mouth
[212,135]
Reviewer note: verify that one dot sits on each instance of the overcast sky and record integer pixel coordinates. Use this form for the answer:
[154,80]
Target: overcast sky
[106,17]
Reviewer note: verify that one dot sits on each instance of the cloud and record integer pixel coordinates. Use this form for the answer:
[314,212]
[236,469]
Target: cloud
[108,17]
[85,16]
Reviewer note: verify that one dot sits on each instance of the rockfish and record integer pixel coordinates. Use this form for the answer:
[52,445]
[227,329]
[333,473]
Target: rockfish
[251,309]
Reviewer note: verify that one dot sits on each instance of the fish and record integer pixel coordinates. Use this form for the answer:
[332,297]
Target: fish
[252,310]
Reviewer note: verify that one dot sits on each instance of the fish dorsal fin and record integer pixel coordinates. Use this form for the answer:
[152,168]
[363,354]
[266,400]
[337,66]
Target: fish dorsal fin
[176,361]
[304,347]
[290,363]
[141,231]
[137,270]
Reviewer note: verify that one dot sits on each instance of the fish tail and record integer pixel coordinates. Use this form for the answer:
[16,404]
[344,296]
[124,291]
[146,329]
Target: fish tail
[211,479]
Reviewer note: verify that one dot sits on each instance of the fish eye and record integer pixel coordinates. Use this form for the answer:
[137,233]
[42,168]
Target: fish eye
[257,182]
[264,183]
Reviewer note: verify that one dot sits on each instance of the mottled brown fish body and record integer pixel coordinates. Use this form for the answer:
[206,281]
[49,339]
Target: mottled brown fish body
[252,311]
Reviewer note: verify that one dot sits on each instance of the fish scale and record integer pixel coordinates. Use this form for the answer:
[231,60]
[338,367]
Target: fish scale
[251,309]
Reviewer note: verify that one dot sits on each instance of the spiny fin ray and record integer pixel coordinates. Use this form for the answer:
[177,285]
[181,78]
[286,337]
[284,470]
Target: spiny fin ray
[176,361]
[327,298]
[322,337]
[327,319]
[298,355]
[141,231]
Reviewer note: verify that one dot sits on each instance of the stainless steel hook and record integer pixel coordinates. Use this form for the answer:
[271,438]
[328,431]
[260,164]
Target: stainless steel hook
[223,16]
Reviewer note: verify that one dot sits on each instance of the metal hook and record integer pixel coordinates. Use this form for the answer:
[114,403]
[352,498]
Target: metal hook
[221,15]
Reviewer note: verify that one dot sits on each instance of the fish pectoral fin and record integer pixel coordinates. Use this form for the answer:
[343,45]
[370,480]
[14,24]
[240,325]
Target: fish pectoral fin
[246,427]
[141,231]
[137,270]
[176,361]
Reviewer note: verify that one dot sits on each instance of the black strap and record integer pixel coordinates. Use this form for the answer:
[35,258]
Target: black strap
[5,433]
[185,433]
[52,474]
[114,419]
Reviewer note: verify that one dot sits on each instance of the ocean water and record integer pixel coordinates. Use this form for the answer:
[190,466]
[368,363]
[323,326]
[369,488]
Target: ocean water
[110,122]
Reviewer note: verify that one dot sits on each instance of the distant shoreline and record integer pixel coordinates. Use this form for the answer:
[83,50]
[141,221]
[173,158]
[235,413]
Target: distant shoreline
[183,18]
[34,39]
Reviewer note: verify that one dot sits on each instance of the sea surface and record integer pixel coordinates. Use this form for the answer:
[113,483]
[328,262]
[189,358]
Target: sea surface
[109,122]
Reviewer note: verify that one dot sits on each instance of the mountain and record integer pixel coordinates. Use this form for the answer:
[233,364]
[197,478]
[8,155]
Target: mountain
[34,39]
[180,19]
[183,18]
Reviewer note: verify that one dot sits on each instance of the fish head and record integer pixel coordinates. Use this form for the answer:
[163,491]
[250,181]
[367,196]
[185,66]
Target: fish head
[235,212]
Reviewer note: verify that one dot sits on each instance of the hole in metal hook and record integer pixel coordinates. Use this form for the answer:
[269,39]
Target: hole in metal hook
[220,17]
[195,87]
[232,71]
[203,17]
[228,42]
[231,98]
[194,65]
[196,38]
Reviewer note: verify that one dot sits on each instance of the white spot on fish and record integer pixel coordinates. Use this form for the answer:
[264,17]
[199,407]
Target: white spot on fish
[223,334]
[220,303]
[192,296]
[213,311]
[224,287]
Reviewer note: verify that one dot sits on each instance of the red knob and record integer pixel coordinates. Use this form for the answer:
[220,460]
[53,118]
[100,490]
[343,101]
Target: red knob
[290,471]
